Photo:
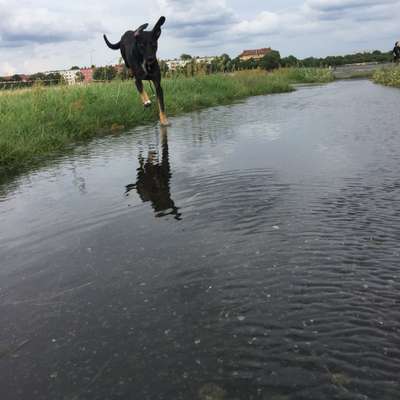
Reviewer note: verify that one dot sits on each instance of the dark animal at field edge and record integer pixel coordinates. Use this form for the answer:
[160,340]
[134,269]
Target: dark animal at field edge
[138,50]
[396,52]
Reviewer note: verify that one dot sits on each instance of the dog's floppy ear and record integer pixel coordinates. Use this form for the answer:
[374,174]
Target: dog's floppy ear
[157,27]
[140,29]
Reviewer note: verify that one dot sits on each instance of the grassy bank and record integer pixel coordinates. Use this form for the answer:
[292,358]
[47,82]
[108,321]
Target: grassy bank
[38,122]
[388,77]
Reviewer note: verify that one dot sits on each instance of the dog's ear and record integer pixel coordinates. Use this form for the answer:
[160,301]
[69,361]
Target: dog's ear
[140,29]
[157,27]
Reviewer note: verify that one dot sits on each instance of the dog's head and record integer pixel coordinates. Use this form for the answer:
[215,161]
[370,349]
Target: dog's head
[147,41]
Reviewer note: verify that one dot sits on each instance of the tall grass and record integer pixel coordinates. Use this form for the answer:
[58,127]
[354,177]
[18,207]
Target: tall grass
[388,77]
[37,122]
[306,75]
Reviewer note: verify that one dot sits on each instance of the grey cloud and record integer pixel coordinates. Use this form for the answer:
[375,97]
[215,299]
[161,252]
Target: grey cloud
[342,5]
[21,27]
[196,20]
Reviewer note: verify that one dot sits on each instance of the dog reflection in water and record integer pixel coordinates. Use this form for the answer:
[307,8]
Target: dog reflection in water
[153,180]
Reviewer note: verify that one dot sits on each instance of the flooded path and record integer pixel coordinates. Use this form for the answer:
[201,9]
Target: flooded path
[252,252]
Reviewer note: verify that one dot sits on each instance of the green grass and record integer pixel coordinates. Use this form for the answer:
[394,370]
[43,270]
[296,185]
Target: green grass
[306,75]
[388,76]
[354,75]
[40,122]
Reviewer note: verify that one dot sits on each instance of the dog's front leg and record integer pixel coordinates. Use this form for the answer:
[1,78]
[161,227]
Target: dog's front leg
[160,99]
[145,98]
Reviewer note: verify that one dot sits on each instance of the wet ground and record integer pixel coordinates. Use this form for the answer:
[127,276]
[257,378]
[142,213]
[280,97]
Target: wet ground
[250,252]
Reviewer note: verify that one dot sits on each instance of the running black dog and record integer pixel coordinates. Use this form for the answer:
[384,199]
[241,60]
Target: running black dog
[138,49]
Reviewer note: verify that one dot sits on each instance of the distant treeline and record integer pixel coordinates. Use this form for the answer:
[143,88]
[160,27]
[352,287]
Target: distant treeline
[333,61]
[17,81]
[270,61]
[194,66]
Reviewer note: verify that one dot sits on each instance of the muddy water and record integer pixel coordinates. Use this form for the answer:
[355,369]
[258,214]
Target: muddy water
[250,252]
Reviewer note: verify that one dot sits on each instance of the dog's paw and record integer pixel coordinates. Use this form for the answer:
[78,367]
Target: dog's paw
[147,103]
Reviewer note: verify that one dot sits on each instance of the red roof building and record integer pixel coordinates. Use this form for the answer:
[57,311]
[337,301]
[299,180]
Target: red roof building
[257,53]
[87,74]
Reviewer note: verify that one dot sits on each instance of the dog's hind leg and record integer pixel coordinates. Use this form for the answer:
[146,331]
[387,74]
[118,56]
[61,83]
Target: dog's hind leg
[160,98]
[143,95]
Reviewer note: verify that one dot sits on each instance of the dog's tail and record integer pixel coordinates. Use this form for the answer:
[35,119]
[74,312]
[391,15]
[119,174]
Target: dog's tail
[115,46]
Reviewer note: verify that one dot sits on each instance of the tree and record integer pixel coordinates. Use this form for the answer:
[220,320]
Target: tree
[123,73]
[104,73]
[53,78]
[290,61]
[74,67]
[186,57]
[311,62]
[271,60]
[163,68]
[39,76]
[224,60]
[79,77]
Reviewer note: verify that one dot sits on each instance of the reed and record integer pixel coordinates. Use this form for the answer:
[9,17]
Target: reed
[388,76]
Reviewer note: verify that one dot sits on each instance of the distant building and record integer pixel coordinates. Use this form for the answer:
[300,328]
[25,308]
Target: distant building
[174,64]
[69,75]
[87,74]
[23,78]
[256,54]
[206,60]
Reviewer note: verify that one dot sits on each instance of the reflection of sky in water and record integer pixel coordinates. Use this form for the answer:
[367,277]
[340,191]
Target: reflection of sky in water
[264,131]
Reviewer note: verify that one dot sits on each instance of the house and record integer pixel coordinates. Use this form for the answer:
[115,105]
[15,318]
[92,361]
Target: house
[69,75]
[87,74]
[14,78]
[206,60]
[175,64]
[24,78]
[255,54]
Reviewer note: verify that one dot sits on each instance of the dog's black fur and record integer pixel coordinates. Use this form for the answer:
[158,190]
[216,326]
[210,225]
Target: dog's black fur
[396,52]
[138,49]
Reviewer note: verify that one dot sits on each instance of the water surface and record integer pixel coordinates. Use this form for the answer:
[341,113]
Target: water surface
[249,252]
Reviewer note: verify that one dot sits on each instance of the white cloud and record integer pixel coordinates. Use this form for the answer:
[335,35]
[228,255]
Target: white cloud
[196,19]
[48,35]
[7,68]
[333,5]
[23,25]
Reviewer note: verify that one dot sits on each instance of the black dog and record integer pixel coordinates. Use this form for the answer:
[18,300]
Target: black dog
[138,49]
[396,52]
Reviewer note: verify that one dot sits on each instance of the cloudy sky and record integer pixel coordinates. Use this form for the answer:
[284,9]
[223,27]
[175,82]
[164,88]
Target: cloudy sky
[40,35]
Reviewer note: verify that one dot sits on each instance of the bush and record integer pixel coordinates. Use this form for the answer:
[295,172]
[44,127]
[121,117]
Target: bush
[271,60]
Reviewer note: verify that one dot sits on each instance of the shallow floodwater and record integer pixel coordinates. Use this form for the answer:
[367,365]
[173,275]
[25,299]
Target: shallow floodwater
[249,252]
